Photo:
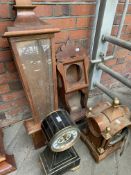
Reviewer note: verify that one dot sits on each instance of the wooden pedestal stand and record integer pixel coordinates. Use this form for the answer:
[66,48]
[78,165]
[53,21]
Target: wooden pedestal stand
[7,162]
[73,67]
[32,45]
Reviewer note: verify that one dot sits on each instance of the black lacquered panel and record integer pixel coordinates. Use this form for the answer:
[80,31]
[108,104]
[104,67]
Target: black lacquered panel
[59,163]
[55,122]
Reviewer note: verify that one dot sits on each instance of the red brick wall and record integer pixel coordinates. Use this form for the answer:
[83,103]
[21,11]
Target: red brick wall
[75,21]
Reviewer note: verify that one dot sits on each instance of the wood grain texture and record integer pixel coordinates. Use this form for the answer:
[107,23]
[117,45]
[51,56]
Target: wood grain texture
[73,68]
[32,45]
[23,2]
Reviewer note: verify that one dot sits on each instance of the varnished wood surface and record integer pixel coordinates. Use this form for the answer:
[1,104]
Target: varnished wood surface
[28,24]
[7,162]
[23,2]
[73,68]
[31,32]
[2,150]
[28,163]
[8,165]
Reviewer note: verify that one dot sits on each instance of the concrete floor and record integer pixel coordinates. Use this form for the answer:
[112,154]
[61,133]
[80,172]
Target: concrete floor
[27,158]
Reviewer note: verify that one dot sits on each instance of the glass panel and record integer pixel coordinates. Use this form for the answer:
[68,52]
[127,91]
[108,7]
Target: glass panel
[35,57]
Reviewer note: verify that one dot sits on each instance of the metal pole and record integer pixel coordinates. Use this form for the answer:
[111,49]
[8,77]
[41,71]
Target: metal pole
[100,60]
[103,27]
[115,75]
[118,35]
[118,42]
[105,90]
[94,26]
[121,23]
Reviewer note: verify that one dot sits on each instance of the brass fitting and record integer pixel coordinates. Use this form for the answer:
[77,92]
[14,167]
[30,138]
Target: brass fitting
[100,150]
[107,132]
[88,111]
[116,102]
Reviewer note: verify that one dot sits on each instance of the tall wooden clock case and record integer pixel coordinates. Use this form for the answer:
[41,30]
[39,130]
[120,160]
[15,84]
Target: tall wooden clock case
[32,44]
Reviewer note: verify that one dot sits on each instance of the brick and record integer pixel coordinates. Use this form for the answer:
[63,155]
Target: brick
[110,49]
[120,60]
[117,20]
[126,37]
[83,42]
[78,10]
[79,34]
[128,67]
[122,53]
[15,85]
[105,77]
[63,1]
[4,25]
[3,43]
[124,0]
[115,30]
[2,116]
[129,9]
[61,36]
[5,56]
[128,19]
[128,29]
[7,77]
[13,104]
[16,111]
[2,68]
[10,66]
[61,10]
[111,62]
[4,88]
[120,68]
[65,23]
[84,22]
[4,11]
[121,0]
[12,96]
[43,10]
[73,34]
[120,9]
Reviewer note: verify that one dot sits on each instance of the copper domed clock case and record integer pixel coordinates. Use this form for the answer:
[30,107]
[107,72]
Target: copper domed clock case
[107,128]
[32,45]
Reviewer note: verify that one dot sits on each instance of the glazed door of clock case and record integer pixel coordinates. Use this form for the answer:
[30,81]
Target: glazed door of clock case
[34,61]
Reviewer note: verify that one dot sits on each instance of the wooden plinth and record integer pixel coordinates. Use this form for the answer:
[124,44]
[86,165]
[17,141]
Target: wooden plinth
[8,165]
[98,157]
[34,129]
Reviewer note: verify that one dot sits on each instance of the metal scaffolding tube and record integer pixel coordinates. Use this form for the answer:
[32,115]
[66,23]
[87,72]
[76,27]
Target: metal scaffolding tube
[94,26]
[105,90]
[100,60]
[117,41]
[121,23]
[115,75]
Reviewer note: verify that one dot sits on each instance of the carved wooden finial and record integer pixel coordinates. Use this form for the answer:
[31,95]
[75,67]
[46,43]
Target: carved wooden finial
[27,23]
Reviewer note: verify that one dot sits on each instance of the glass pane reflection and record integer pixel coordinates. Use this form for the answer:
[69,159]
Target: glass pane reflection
[35,57]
